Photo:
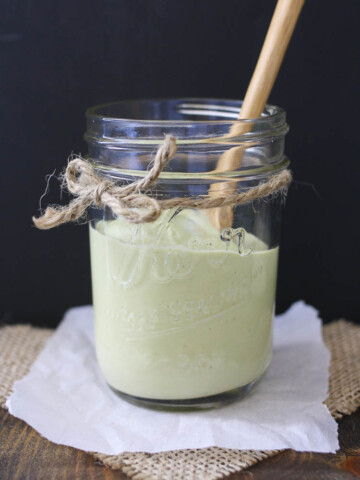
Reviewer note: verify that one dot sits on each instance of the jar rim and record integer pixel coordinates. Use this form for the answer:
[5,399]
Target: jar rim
[227,109]
[127,142]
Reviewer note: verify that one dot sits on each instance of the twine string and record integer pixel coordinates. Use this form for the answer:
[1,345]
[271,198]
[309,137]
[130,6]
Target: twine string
[131,200]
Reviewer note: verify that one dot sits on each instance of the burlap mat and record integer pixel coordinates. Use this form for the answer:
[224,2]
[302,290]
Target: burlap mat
[20,345]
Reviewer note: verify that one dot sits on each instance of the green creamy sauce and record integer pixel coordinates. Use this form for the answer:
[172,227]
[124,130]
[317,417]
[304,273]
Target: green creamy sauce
[179,313]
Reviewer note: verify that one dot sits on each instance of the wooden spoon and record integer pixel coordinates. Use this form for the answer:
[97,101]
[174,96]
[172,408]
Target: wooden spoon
[276,42]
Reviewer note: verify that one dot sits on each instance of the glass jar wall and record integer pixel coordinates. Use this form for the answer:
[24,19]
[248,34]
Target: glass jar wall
[184,306]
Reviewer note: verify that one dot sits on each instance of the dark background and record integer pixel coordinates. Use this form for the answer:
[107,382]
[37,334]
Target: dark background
[59,57]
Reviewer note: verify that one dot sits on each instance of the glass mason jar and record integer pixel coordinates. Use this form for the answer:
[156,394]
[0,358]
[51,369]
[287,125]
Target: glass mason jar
[184,306]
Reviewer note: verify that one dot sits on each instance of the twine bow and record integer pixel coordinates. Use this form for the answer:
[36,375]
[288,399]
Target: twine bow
[131,201]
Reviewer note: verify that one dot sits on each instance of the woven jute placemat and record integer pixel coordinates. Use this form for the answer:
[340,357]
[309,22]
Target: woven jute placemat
[20,345]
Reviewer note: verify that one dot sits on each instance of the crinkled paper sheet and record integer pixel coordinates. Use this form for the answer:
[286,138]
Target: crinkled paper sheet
[65,398]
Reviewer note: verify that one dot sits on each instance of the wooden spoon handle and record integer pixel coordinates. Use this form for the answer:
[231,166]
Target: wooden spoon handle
[276,42]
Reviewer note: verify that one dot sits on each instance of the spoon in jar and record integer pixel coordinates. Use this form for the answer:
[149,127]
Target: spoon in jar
[273,51]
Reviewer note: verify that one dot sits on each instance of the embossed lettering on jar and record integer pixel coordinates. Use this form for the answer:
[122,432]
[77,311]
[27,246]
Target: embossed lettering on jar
[183,310]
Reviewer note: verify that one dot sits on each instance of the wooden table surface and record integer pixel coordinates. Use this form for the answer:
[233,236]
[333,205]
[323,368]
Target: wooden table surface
[25,455]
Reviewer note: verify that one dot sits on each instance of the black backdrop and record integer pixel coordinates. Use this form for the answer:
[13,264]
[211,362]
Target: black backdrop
[59,57]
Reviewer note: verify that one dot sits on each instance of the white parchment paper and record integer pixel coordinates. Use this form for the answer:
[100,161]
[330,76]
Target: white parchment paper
[65,398]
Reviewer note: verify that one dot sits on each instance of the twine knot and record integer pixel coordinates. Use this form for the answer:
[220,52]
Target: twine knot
[131,201]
